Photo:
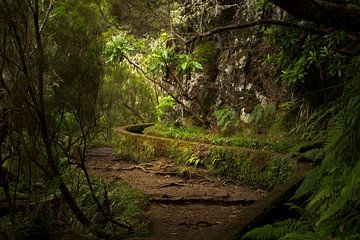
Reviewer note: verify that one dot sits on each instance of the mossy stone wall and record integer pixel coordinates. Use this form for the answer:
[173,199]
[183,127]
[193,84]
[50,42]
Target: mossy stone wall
[241,165]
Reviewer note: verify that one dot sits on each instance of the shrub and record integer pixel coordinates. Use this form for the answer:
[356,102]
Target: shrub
[166,105]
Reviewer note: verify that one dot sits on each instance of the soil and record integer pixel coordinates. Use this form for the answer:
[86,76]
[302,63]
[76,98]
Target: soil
[186,202]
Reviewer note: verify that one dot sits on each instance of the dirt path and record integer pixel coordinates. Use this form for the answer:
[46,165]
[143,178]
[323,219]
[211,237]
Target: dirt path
[186,203]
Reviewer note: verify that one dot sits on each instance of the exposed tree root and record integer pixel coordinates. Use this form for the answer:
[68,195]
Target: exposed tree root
[203,200]
[201,180]
[204,224]
[167,173]
[166,166]
[172,184]
[146,164]
[197,224]
[133,168]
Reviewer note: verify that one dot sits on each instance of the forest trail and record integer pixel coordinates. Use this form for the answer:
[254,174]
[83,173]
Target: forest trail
[187,203]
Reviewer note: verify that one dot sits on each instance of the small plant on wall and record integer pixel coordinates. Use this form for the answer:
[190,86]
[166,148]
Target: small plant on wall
[164,109]
[227,119]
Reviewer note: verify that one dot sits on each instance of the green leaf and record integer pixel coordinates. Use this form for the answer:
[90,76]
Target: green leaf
[184,65]
[197,65]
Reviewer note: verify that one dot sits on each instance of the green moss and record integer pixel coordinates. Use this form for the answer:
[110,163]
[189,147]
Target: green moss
[207,51]
[202,135]
[255,168]
[242,166]
[133,149]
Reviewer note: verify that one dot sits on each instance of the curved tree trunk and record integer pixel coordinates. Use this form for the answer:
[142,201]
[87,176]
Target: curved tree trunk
[339,15]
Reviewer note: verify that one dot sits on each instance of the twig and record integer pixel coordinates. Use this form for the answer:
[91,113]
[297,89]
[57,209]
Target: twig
[133,111]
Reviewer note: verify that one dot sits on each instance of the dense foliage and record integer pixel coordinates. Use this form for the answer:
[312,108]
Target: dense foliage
[72,71]
[50,81]
[323,72]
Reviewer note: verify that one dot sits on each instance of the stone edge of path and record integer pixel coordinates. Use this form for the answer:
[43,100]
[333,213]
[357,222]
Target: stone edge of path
[256,211]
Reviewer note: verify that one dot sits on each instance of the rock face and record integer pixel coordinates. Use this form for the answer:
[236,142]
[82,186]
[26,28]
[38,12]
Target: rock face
[234,74]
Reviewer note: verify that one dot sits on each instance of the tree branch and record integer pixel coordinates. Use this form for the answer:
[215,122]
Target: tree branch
[47,14]
[194,114]
[133,111]
[258,23]
[10,61]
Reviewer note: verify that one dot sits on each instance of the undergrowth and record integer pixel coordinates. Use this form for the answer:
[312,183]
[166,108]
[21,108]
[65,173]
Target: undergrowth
[260,169]
[50,218]
[331,191]
[120,202]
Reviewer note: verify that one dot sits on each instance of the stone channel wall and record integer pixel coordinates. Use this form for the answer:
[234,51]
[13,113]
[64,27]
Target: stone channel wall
[258,168]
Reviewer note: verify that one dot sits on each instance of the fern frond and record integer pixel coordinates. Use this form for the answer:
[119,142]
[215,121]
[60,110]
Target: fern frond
[273,231]
[300,236]
[309,184]
[319,197]
[336,129]
[346,194]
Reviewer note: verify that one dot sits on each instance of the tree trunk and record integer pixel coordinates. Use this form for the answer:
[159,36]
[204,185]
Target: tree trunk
[339,15]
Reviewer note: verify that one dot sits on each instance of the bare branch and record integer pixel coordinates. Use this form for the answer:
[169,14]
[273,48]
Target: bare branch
[31,6]
[133,111]
[2,81]
[258,23]
[193,113]
[47,14]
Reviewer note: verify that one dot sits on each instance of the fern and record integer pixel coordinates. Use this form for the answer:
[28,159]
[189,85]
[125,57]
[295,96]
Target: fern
[332,189]
[300,236]
[262,113]
[226,118]
[319,197]
[274,231]
[345,196]
[309,184]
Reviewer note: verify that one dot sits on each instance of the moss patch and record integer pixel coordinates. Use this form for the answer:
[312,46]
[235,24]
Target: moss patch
[202,135]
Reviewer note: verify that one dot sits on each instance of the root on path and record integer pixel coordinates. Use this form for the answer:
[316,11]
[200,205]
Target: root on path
[203,200]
